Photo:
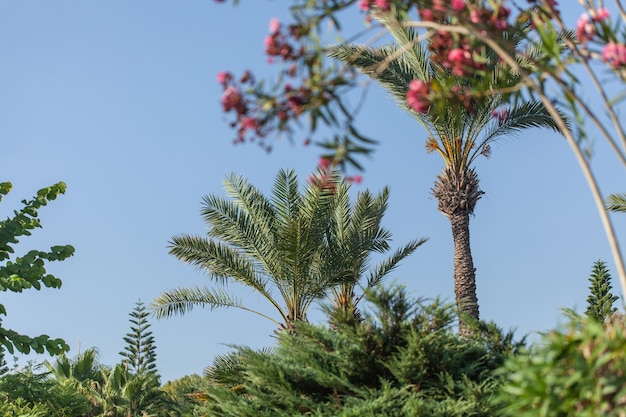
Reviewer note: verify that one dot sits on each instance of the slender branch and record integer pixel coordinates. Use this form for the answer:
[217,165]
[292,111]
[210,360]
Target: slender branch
[621,9]
[618,127]
[596,121]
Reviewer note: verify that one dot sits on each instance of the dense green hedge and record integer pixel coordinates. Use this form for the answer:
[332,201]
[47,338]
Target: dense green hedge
[404,359]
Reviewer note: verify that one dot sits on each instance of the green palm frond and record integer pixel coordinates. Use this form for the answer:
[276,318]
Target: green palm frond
[182,300]
[616,202]
[389,264]
[291,248]
[226,370]
[245,221]
[357,233]
[221,261]
[394,74]
[530,114]
[395,66]
[407,39]
[286,197]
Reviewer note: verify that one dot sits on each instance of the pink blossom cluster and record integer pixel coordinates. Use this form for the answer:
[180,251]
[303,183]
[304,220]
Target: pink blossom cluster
[500,115]
[614,54]
[460,54]
[456,52]
[233,100]
[254,117]
[257,112]
[277,45]
[366,5]
[417,96]
[322,179]
[461,61]
[586,25]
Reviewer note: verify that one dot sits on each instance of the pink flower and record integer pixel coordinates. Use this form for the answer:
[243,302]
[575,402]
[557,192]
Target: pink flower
[364,5]
[585,29]
[456,55]
[382,4]
[500,115]
[274,25]
[458,5]
[475,16]
[439,5]
[224,77]
[324,163]
[614,54]
[249,123]
[357,179]
[231,98]
[459,60]
[417,96]
[601,14]
[426,15]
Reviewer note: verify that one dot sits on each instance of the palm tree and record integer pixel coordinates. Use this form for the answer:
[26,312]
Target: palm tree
[457,133]
[356,233]
[289,248]
[125,394]
[84,373]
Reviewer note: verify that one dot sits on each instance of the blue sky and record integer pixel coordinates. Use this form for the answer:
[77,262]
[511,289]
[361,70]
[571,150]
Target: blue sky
[119,100]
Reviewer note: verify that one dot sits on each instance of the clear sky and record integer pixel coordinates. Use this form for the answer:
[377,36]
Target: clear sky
[119,100]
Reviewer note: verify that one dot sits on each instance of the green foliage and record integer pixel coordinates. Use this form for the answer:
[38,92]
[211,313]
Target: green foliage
[125,394]
[115,392]
[600,300]
[404,359]
[27,393]
[140,350]
[22,408]
[28,271]
[3,363]
[291,248]
[575,371]
[184,393]
[458,133]
[616,202]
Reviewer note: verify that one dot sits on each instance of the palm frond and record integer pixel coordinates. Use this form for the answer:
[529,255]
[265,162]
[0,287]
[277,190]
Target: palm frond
[530,114]
[182,300]
[218,259]
[286,197]
[246,221]
[407,39]
[389,264]
[394,74]
[226,370]
[616,202]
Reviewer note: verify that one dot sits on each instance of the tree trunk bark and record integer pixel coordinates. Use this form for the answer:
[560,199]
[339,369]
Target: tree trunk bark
[464,271]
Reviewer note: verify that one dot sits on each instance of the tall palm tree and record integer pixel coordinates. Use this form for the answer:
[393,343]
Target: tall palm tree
[458,134]
[289,248]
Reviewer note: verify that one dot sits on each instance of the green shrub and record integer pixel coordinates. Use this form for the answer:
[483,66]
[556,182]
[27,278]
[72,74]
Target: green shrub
[405,359]
[579,371]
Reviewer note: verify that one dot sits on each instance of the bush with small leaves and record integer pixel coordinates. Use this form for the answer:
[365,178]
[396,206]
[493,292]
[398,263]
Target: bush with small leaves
[404,359]
[575,371]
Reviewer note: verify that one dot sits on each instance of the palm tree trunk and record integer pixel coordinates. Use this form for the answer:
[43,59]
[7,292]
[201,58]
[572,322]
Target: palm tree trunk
[457,192]
[464,271]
